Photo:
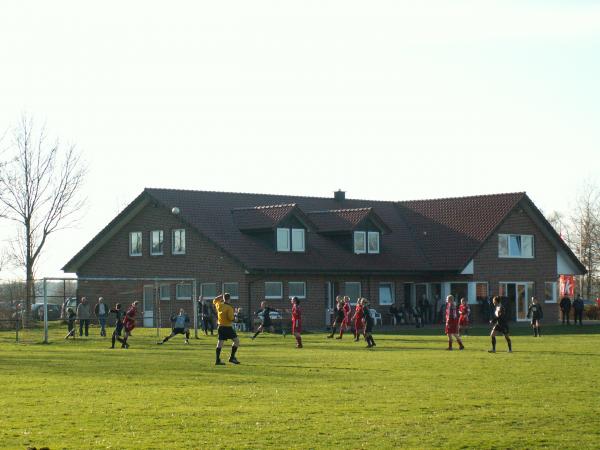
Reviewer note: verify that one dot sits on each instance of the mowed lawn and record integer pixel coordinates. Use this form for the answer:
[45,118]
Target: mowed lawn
[408,392]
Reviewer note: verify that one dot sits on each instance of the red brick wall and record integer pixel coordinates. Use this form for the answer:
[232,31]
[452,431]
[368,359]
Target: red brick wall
[542,268]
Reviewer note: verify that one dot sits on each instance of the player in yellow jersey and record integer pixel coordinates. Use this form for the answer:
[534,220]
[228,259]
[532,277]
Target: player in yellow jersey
[225,329]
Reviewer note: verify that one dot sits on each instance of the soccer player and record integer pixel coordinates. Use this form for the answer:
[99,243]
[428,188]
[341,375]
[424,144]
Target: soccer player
[118,312]
[128,323]
[346,322]
[225,329]
[181,325]
[500,324]
[358,320]
[463,317]
[452,323]
[265,312]
[338,316]
[296,321]
[536,314]
[369,322]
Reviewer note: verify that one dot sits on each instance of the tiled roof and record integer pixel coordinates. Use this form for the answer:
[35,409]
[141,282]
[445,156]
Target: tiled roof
[261,217]
[450,230]
[338,219]
[422,235]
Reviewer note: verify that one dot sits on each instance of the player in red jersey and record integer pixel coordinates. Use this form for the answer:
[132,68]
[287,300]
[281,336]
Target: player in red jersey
[452,323]
[358,320]
[346,322]
[463,317]
[128,323]
[296,321]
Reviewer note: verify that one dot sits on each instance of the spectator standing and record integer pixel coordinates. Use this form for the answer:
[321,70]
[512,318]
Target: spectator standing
[206,316]
[83,315]
[565,309]
[395,312]
[101,311]
[578,309]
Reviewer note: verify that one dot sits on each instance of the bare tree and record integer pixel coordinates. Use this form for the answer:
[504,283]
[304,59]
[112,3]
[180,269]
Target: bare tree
[585,236]
[40,190]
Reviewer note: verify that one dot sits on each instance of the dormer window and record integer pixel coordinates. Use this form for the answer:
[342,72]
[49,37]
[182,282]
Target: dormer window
[373,244]
[366,242]
[515,246]
[291,239]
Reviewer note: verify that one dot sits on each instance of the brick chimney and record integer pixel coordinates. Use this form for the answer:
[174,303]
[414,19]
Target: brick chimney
[339,195]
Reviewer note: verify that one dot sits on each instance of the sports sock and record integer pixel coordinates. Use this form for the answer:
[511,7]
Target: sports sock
[372,340]
[113,340]
[233,350]
[509,343]
[539,331]
[187,335]
[218,350]
[166,339]
[256,334]
[449,342]
[493,342]
[534,332]
[460,344]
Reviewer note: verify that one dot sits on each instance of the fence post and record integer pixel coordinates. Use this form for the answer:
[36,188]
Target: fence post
[45,312]
[195,309]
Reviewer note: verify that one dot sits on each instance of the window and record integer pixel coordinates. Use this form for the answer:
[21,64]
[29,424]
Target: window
[297,239]
[283,239]
[550,292]
[135,243]
[156,242]
[233,289]
[184,291]
[179,242]
[360,245]
[373,242]
[273,289]
[165,292]
[290,239]
[515,246]
[208,290]
[386,294]
[481,292]
[297,289]
[352,290]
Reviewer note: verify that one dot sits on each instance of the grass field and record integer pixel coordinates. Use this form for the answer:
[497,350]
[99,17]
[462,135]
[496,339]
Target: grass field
[408,392]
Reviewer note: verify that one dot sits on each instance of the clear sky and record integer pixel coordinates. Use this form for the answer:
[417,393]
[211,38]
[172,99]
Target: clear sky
[390,100]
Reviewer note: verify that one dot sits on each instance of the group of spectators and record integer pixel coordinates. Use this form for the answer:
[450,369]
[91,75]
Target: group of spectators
[576,305]
[422,313]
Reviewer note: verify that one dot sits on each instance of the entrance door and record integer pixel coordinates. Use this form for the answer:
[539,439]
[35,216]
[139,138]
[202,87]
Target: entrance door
[517,294]
[148,306]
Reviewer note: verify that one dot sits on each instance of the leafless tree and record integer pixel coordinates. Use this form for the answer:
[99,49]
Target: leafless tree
[40,191]
[585,237]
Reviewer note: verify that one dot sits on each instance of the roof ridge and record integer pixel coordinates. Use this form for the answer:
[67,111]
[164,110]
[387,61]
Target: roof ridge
[502,194]
[368,208]
[248,208]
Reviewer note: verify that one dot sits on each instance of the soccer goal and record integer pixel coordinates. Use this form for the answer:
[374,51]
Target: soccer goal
[70,308]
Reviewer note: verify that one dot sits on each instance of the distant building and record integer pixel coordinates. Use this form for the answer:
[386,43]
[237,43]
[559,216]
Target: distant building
[272,247]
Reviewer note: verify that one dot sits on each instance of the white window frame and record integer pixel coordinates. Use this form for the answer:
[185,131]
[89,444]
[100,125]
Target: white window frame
[303,283]
[160,292]
[233,297]
[295,233]
[179,297]
[392,292]
[364,235]
[162,243]
[369,234]
[281,232]
[141,237]
[353,301]
[274,297]
[554,292]
[202,291]
[507,239]
[181,232]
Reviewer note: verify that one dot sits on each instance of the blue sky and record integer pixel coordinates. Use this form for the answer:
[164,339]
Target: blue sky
[387,100]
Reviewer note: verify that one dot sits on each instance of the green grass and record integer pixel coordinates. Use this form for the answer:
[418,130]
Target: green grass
[408,392]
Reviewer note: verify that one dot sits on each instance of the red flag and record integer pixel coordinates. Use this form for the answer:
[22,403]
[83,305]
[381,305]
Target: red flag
[567,285]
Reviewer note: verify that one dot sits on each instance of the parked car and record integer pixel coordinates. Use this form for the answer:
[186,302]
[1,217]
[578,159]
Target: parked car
[70,302]
[37,311]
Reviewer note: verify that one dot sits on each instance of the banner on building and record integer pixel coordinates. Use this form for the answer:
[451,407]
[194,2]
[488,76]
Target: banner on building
[567,285]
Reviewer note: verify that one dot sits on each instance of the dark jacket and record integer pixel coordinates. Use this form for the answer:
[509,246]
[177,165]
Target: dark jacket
[578,304]
[565,304]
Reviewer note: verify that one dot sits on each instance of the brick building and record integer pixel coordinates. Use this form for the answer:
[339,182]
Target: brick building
[271,247]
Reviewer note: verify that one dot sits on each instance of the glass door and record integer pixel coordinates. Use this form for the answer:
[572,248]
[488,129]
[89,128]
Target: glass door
[148,306]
